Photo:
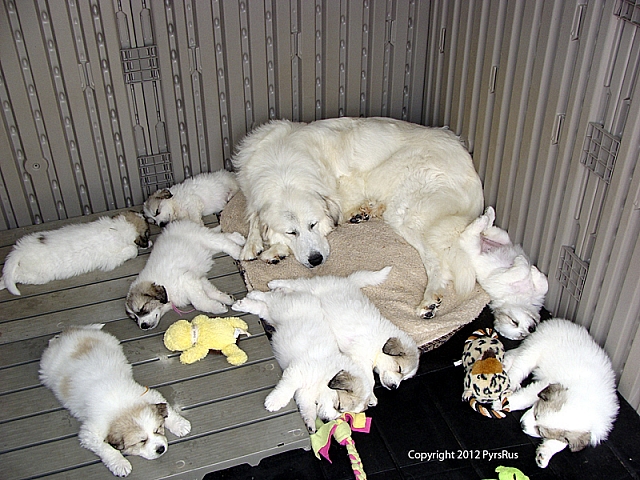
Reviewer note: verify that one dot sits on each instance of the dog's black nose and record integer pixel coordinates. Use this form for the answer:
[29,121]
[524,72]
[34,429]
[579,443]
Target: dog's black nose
[532,328]
[144,326]
[160,450]
[162,224]
[315,259]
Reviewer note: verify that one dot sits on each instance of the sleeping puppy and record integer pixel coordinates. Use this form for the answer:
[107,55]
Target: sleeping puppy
[572,399]
[103,244]
[363,334]
[192,199]
[88,373]
[323,381]
[176,273]
[517,288]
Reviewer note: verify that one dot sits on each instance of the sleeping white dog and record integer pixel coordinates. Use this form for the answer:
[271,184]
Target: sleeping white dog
[572,400]
[516,288]
[88,373]
[323,381]
[301,180]
[363,334]
[200,195]
[103,244]
[176,273]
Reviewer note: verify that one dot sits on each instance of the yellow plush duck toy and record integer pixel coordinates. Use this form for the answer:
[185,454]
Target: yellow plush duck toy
[202,334]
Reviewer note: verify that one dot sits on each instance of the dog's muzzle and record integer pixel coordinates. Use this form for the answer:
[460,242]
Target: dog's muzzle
[315,259]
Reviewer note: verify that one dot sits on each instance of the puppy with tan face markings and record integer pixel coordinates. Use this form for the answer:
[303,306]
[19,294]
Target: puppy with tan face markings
[572,399]
[176,273]
[88,373]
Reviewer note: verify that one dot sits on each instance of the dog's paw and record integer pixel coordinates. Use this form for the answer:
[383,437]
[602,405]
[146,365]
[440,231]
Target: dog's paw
[251,251]
[543,457]
[275,401]
[275,253]
[372,401]
[178,425]
[428,309]
[120,467]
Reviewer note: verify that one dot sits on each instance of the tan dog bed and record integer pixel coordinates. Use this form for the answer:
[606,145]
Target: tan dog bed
[369,246]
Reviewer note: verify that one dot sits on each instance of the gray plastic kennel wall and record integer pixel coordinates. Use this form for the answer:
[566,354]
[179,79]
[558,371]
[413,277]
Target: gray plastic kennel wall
[104,101]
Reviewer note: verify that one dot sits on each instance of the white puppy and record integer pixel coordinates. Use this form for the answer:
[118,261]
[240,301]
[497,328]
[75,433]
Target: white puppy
[192,199]
[516,288]
[573,394]
[88,373]
[323,381]
[301,180]
[103,244]
[176,273]
[362,332]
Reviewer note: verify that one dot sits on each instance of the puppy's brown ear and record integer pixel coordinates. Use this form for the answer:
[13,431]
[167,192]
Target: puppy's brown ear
[341,381]
[578,440]
[116,440]
[159,293]
[393,347]
[163,194]
[163,411]
[553,392]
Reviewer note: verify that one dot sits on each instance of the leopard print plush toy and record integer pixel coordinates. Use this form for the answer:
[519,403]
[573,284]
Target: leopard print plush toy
[486,384]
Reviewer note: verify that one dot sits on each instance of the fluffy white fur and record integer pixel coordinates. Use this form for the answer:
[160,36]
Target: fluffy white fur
[323,381]
[363,334]
[88,372]
[301,180]
[573,394]
[103,244]
[200,195]
[176,273]
[516,288]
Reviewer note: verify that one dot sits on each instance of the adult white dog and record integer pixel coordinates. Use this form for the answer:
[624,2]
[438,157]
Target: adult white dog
[88,373]
[573,394]
[516,288]
[201,195]
[323,381]
[362,333]
[301,180]
[176,273]
[103,244]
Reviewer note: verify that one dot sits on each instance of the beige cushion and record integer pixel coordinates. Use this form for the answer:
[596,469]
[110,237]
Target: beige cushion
[370,246]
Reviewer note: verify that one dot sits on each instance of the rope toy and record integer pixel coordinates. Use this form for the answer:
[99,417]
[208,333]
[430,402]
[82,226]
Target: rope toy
[486,384]
[340,429]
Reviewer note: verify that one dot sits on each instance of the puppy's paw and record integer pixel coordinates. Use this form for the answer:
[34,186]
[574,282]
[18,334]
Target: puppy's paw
[251,250]
[120,467]
[236,237]
[275,401]
[178,425]
[234,251]
[428,308]
[543,457]
[373,401]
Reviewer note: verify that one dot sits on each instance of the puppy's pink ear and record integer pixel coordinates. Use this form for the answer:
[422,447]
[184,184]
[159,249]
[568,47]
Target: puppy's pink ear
[540,282]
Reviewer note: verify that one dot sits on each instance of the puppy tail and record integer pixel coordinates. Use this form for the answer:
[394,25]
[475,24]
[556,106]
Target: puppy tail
[8,274]
[365,278]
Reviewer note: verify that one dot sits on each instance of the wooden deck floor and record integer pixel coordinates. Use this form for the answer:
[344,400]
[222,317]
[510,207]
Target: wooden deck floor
[230,426]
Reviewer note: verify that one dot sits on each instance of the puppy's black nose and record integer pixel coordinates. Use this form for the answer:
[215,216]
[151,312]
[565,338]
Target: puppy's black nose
[315,259]
[160,450]
[532,328]
[162,224]
[144,326]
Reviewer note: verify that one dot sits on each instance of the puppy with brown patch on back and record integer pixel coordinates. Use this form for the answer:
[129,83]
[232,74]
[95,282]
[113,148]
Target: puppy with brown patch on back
[87,371]
[103,244]
[572,399]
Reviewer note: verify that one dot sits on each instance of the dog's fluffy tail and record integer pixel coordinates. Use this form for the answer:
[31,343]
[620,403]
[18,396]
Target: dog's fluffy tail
[365,278]
[8,275]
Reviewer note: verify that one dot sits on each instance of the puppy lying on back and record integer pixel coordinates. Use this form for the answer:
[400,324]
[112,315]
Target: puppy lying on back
[176,273]
[572,400]
[323,381]
[516,288]
[192,199]
[72,250]
[88,373]
[369,339]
